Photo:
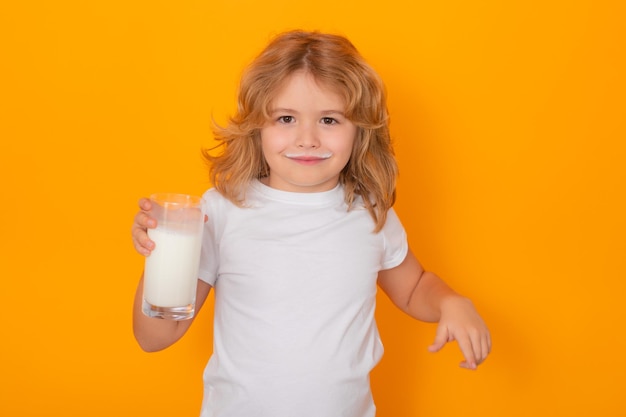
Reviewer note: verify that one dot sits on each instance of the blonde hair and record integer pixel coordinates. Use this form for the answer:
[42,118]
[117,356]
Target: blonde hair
[334,62]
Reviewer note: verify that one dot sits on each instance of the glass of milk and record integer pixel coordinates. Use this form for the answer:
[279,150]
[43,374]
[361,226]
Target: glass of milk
[171,270]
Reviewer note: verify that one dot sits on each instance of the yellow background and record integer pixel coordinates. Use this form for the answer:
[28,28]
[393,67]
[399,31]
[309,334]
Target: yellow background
[510,124]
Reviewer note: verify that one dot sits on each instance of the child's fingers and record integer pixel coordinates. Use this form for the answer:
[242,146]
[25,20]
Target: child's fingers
[486,347]
[475,349]
[143,217]
[142,242]
[441,338]
[145,204]
[141,224]
[481,345]
[144,221]
[468,351]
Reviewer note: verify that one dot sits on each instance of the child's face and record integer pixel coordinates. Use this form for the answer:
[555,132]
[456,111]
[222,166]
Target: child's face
[308,140]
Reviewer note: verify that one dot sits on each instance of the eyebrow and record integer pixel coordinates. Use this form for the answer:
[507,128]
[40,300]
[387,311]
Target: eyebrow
[287,110]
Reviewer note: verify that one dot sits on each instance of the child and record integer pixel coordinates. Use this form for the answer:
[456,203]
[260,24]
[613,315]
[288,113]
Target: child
[299,233]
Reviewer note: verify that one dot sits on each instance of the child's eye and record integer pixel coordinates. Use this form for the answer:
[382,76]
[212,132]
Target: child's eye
[285,119]
[328,121]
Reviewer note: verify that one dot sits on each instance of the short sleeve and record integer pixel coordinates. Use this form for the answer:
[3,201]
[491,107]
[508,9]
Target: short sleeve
[395,241]
[209,257]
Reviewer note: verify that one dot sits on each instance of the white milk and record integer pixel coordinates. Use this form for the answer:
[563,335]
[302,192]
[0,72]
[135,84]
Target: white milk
[171,270]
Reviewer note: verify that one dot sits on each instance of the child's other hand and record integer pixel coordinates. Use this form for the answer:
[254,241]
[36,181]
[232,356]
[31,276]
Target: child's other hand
[461,322]
[142,223]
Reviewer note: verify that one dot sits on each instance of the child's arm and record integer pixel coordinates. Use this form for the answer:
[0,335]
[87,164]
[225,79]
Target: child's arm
[424,296]
[155,334]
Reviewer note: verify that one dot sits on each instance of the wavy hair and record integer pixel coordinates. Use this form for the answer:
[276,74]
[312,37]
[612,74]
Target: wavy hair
[335,63]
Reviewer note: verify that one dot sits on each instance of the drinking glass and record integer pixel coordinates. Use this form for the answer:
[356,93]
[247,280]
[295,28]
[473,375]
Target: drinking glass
[171,270]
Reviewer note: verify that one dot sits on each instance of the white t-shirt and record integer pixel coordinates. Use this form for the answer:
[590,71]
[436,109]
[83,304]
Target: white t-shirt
[295,291]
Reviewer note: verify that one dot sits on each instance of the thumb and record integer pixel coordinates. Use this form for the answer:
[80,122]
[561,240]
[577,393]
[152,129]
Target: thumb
[441,338]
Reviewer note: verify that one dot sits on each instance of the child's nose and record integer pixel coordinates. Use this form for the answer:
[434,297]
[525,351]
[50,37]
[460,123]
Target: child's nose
[307,138]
